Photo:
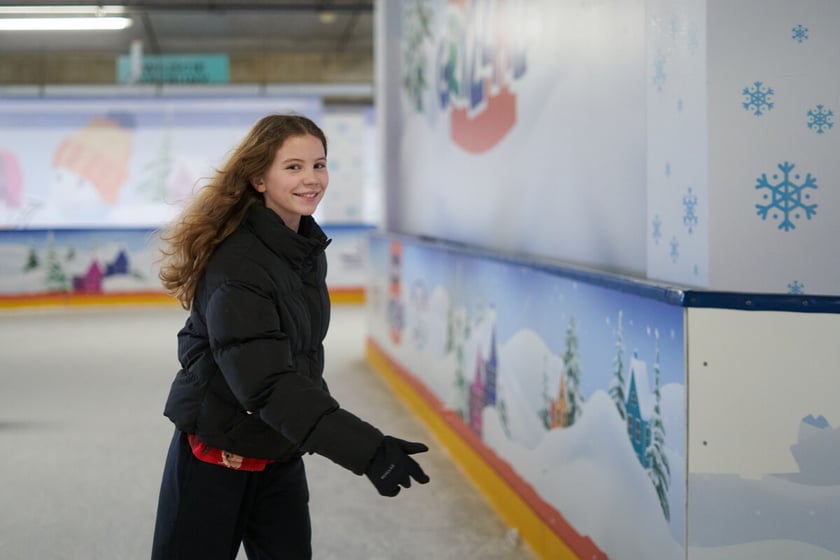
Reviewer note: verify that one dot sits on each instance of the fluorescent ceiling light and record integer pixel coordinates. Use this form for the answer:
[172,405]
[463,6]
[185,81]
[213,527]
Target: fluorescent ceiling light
[91,10]
[64,24]
[52,18]
[327,17]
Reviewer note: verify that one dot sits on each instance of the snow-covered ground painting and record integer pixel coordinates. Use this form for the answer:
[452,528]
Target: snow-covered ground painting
[764,425]
[579,387]
[92,261]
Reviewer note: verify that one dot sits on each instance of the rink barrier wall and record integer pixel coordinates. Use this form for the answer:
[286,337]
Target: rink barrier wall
[761,329]
[538,523]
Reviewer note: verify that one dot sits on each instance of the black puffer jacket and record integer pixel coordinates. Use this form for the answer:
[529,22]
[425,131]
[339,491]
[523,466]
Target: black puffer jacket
[252,353]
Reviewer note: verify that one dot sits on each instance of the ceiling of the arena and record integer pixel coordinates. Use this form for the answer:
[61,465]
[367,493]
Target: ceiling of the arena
[193,26]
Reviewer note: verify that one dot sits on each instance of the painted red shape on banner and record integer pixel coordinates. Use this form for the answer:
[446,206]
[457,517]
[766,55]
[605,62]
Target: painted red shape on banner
[481,132]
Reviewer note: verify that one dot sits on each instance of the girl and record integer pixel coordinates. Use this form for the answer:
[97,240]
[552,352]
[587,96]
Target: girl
[247,260]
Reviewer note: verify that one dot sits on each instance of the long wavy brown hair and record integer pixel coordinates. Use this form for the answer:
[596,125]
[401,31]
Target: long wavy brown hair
[220,206]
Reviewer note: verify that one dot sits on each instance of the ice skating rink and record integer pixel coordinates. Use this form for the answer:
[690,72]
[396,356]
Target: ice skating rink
[83,440]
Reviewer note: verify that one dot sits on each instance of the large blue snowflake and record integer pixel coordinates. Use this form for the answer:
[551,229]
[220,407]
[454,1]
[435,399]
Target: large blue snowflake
[796,287]
[799,33]
[758,98]
[787,199]
[819,119]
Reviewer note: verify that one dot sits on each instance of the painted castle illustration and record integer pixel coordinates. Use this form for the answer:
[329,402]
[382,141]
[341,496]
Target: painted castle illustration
[638,413]
[483,388]
[637,406]
[91,281]
[54,264]
[559,407]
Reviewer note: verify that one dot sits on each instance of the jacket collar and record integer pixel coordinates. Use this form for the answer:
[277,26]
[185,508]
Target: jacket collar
[296,247]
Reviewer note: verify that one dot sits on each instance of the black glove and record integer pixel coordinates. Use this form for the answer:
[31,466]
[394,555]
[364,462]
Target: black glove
[391,466]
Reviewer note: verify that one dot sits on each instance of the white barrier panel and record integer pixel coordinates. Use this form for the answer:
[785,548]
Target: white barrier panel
[763,434]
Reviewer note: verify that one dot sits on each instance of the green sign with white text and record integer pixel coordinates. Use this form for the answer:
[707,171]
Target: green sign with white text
[175,69]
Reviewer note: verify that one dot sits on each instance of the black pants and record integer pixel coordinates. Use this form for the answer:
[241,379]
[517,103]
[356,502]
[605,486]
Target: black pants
[206,511]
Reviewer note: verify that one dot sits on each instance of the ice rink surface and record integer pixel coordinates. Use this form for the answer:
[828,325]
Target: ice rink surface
[83,440]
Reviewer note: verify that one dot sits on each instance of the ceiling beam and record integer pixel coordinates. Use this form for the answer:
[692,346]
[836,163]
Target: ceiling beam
[348,31]
[149,31]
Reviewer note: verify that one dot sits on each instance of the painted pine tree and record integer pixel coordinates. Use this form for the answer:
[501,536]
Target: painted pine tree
[503,416]
[659,471]
[56,278]
[450,331]
[460,378]
[461,333]
[616,389]
[154,182]
[571,359]
[32,261]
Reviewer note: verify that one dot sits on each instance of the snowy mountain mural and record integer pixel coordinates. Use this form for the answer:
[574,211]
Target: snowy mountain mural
[83,261]
[591,474]
[616,469]
[553,420]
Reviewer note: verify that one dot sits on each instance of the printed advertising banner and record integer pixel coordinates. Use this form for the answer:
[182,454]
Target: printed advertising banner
[117,162]
[517,135]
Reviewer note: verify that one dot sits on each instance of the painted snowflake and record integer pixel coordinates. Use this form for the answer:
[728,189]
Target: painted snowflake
[693,41]
[674,27]
[796,287]
[690,216]
[659,71]
[799,33]
[675,249]
[786,199]
[819,119]
[758,98]
[657,229]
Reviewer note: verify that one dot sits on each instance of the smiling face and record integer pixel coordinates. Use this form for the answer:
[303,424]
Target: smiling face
[297,179]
